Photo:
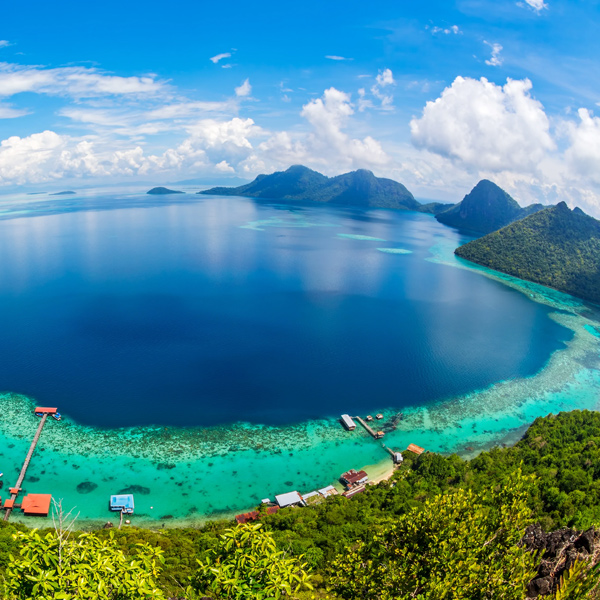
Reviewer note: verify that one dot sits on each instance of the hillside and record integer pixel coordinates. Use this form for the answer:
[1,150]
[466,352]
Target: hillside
[485,209]
[298,183]
[556,247]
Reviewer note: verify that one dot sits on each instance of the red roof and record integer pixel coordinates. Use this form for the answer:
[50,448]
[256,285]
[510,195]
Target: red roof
[36,504]
[254,515]
[416,449]
[352,476]
[9,503]
[45,409]
[14,490]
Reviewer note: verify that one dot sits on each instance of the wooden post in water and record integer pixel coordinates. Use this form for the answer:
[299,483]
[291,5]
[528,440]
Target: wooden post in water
[17,486]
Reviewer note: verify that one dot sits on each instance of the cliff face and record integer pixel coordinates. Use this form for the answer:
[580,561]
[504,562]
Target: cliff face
[561,550]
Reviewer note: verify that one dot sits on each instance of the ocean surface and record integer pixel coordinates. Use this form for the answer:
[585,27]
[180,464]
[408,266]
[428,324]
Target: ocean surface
[202,348]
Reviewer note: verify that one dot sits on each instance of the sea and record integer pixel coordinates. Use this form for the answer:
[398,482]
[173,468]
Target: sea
[201,349]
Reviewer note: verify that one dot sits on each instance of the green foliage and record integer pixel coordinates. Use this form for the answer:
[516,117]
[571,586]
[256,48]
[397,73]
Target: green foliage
[246,564]
[582,581]
[82,568]
[460,545]
[556,247]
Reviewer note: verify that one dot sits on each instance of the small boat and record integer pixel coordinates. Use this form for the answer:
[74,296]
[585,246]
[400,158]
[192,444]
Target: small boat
[38,414]
[379,416]
[57,416]
[369,418]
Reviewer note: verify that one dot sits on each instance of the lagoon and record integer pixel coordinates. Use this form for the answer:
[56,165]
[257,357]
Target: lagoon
[207,345]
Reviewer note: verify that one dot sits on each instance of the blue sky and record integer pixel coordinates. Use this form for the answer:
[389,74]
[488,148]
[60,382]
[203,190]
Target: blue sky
[154,91]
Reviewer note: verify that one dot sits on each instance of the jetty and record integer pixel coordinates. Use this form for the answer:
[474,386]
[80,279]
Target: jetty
[9,503]
[376,434]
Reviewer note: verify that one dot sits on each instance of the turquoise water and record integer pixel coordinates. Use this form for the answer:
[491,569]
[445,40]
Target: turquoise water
[184,475]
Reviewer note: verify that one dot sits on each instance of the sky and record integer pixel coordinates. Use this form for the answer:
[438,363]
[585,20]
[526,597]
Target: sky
[436,95]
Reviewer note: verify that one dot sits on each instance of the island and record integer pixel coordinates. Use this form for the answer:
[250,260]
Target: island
[485,209]
[557,247]
[162,191]
[298,183]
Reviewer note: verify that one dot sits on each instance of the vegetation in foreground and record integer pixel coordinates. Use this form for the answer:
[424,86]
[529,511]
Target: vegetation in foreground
[441,528]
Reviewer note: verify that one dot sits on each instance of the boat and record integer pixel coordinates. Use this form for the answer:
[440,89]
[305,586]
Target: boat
[369,418]
[379,416]
[39,414]
[57,416]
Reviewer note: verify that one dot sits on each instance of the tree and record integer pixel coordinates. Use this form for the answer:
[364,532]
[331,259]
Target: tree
[460,545]
[81,568]
[246,564]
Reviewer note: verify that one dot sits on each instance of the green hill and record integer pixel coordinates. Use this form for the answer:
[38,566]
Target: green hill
[556,247]
[485,209]
[358,188]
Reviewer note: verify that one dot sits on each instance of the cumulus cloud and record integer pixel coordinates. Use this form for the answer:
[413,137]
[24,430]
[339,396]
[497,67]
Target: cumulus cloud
[485,126]
[218,57]
[495,60]
[385,77]
[77,82]
[583,153]
[244,90]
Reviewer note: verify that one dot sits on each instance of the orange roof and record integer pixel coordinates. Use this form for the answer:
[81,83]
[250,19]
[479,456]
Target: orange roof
[36,504]
[416,449]
[45,409]
[14,490]
[9,503]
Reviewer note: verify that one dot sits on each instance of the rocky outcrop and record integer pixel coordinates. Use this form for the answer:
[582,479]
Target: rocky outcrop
[561,549]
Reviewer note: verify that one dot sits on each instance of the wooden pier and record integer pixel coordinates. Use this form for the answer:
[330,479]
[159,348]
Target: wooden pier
[14,491]
[376,434]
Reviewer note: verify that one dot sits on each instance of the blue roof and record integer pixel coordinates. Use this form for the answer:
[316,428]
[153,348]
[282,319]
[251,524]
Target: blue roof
[120,502]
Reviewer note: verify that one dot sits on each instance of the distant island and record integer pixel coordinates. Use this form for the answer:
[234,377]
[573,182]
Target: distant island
[485,209]
[557,247]
[162,191]
[66,193]
[359,188]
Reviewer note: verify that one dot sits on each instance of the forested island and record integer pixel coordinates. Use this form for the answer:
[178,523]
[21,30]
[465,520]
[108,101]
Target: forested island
[298,183]
[557,247]
[441,527]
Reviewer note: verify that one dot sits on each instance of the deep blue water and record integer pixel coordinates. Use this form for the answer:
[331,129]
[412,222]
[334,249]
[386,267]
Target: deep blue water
[170,312]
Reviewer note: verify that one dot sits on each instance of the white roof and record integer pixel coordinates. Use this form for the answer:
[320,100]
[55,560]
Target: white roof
[288,499]
[348,420]
[326,491]
[265,501]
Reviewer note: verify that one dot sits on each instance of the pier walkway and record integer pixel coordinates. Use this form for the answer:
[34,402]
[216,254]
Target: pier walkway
[376,434]
[14,491]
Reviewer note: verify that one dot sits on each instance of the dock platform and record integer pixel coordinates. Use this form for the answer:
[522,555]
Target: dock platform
[9,503]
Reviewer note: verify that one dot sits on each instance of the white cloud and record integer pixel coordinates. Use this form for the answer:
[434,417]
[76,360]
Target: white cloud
[485,126]
[77,82]
[536,5]
[224,167]
[244,90]
[4,43]
[8,112]
[454,29]
[385,77]
[495,60]
[583,153]
[218,57]
[335,57]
